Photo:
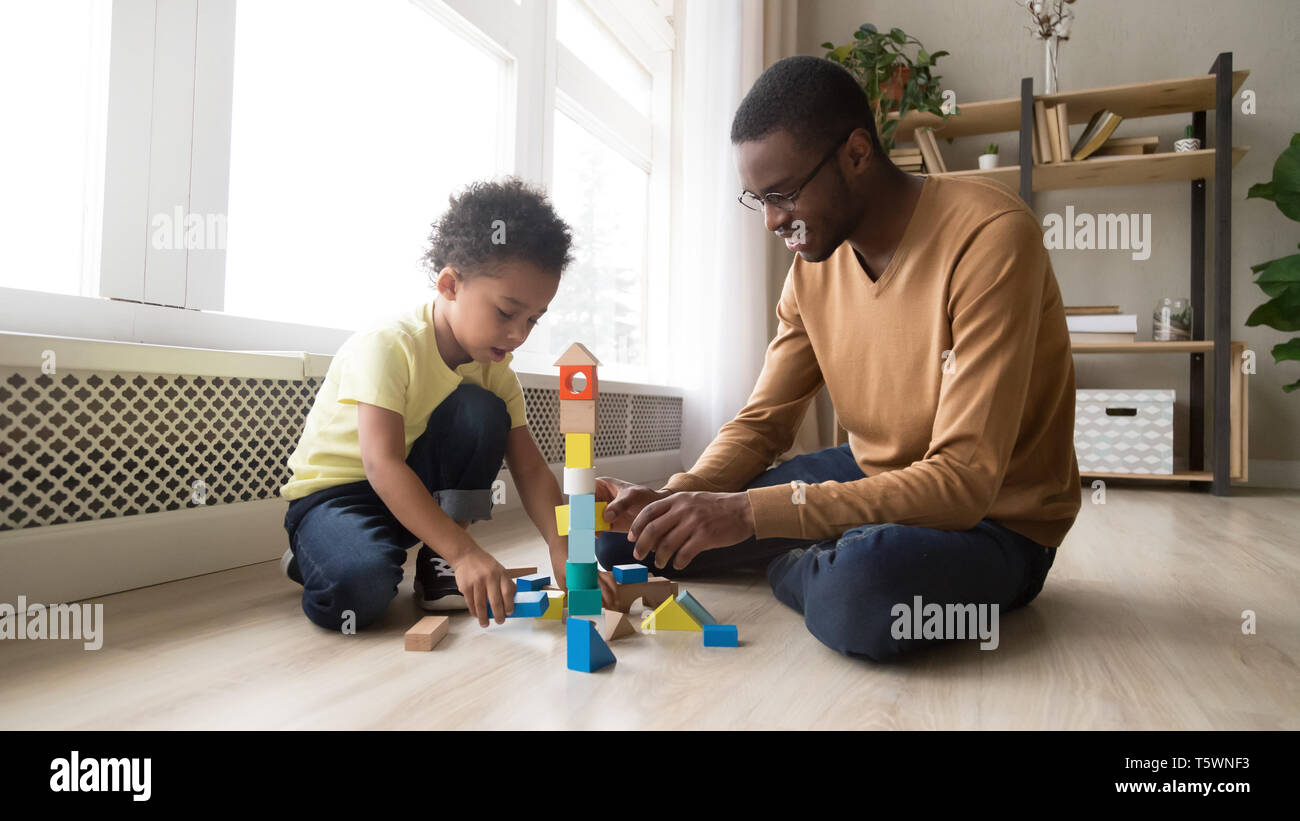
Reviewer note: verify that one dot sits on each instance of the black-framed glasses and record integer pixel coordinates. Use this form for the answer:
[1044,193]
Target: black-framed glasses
[785,202]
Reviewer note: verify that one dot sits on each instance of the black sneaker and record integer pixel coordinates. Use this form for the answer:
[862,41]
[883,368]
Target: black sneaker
[435,582]
[289,566]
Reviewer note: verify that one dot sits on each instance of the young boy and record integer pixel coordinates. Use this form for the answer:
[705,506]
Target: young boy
[410,426]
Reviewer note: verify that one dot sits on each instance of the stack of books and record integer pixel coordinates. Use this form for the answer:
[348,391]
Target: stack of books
[1128,145]
[930,151]
[907,159]
[1051,143]
[1100,323]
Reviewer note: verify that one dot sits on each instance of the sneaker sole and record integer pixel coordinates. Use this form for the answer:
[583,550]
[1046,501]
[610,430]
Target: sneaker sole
[289,567]
[453,601]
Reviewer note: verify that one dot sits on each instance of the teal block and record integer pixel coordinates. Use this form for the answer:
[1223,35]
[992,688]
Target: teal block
[582,512]
[582,545]
[690,605]
[721,635]
[587,651]
[584,602]
[580,575]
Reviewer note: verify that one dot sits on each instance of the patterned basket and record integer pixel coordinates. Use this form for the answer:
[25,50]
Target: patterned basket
[1124,431]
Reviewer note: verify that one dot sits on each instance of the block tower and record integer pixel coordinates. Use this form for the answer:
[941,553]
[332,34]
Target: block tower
[582,517]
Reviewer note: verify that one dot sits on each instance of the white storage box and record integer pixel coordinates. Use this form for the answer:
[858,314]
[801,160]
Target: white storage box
[1124,431]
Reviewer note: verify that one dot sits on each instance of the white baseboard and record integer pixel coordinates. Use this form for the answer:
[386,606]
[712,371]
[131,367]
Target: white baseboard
[73,562]
[1278,473]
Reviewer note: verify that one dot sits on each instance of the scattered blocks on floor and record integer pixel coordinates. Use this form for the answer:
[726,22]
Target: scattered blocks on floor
[697,611]
[580,575]
[584,602]
[577,450]
[670,615]
[555,605]
[427,632]
[533,581]
[631,573]
[587,651]
[721,635]
[617,625]
[528,605]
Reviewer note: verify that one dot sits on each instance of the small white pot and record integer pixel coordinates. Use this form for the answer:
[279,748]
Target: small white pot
[988,160]
[1187,144]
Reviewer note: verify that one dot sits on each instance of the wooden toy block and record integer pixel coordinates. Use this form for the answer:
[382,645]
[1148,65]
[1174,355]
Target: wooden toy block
[697,611]
[599,515]
[568,389]
[721,635]
[582,545]
[577,450]
[578,416]
[584,602]
[533,581]
[427,632]
[562,519]
[582,510]
[631,573]
[577,354]
[652,592]
[530,604]
[516,572]
[555,601]
[579,481]
[617,625]
[580,576]
[587,651]
[670,616]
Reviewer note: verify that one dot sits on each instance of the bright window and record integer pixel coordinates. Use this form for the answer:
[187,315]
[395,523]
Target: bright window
[53,95]
[352,124]
[580,32]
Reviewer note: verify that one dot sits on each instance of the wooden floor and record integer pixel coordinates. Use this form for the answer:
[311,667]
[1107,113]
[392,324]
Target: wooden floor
[1138,626]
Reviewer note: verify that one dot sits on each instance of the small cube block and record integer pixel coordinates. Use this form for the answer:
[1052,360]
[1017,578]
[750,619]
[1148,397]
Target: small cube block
[631,573]
[582,545]
[584,602]
[580,576]
[721,635]
[577,450]
[582,510]
[533,581]
[555,605]
[578,416]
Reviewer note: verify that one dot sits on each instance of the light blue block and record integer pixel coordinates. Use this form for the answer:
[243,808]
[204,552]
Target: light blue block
[582,545]
[587,651]
[533,581]
[631,573]
[582,512]
[721,635]
[690,605]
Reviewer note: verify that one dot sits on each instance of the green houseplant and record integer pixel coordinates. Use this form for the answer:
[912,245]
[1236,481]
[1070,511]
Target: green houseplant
[894,83]
[1279,278]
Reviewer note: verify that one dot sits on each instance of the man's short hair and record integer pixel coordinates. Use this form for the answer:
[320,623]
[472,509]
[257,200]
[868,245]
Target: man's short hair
[814,99]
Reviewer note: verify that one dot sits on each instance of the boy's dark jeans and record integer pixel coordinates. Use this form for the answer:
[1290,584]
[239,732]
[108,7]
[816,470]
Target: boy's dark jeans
[350,548]
[846,588]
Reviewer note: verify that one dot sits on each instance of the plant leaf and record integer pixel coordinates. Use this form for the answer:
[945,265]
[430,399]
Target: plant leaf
[1286,180]
[898,35]
[1282,312]
[1287,350]
[1261,190]
[867,27]
[1283,269]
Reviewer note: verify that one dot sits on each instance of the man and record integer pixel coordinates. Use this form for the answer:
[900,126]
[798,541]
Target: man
[929,309]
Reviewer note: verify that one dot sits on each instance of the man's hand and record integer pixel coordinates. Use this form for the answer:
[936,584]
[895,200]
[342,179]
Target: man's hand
[682,526]
[483,581]
[624,501]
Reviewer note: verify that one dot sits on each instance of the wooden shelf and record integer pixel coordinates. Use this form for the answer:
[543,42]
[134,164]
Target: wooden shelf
[1190,346]
[1177,476]
[1130,101]
[1099,172]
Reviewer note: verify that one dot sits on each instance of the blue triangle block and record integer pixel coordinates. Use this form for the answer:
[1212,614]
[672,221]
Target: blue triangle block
[588,652]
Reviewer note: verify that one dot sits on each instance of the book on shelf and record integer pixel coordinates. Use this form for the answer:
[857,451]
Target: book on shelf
[1100,126]
[930,150]
[907,159]
[1071,310]
[1063,130]
[1128,145]
[1086,338]
[1102,323]
[1040,131]
[1053,137]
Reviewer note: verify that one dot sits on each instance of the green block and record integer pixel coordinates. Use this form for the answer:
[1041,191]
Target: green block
[580,575]
[584,602]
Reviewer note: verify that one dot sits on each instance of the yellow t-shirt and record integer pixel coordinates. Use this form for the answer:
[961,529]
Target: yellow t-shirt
[395,366]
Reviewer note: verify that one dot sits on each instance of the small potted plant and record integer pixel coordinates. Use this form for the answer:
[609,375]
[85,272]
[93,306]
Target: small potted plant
[1189,142]
[989,159]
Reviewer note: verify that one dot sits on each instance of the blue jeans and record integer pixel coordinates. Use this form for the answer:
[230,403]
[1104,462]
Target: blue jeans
[846,588]
[350,549]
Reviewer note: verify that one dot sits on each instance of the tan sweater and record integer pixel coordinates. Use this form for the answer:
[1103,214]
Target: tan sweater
[987,431]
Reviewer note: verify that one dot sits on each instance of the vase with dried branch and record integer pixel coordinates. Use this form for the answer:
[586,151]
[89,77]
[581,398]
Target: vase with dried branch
[1051,24]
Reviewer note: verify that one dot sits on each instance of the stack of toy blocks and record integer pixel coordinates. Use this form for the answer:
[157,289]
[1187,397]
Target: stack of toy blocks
[581,517]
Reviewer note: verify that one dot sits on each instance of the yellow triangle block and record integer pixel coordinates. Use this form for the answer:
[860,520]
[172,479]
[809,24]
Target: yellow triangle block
[671,616]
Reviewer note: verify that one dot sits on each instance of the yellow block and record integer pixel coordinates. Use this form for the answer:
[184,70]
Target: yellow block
[671,616]
[562,518]
[577,450]
[555,600]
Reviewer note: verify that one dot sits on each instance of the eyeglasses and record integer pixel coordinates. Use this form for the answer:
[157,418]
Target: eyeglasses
[785,202]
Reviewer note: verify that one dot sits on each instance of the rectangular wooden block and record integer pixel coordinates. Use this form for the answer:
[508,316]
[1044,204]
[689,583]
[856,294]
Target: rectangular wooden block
[582,545]
[516,572]
[577,450]
[427,632]
[584,602]
[582,511]
[721,635]
[578,416]
[531,581]
[631,573]
[562,519]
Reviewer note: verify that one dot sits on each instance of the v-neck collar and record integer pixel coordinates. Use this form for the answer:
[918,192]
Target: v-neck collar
[904,245]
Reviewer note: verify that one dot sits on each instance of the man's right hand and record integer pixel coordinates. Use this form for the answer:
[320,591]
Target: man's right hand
[624,501]
[483,581]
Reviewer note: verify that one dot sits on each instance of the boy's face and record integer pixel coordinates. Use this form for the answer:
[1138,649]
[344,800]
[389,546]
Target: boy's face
[491,315]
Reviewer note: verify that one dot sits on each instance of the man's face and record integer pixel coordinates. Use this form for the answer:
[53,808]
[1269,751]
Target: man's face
[824,213]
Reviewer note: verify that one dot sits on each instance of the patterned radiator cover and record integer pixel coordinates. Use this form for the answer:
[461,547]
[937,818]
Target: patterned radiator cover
[1135,436]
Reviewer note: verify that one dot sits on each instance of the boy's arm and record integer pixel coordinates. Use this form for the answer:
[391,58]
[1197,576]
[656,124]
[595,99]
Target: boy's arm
[539,492]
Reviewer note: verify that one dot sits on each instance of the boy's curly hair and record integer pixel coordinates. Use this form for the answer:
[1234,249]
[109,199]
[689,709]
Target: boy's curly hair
[493,221]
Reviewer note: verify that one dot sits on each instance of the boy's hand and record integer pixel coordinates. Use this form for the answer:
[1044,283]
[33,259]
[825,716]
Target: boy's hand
[483,581]
[625,500]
